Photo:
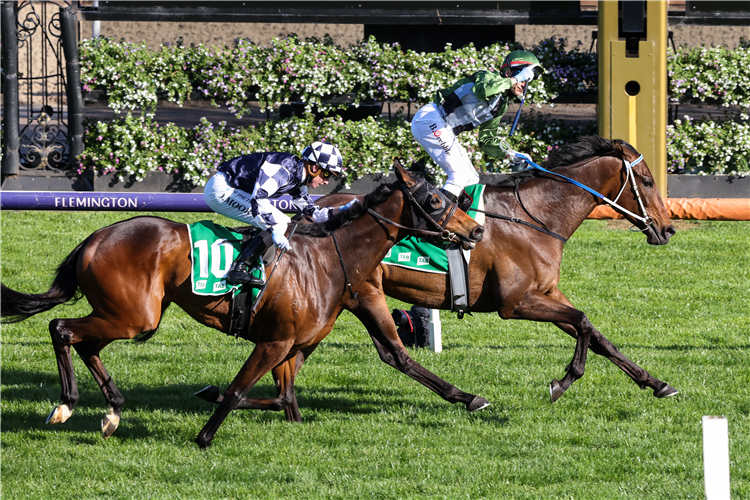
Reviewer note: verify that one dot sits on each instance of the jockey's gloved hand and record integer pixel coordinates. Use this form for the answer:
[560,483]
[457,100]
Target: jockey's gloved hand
[526,73]
[321,215]
[280,240]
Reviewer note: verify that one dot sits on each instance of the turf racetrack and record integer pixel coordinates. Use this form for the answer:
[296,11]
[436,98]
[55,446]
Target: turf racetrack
[681,311]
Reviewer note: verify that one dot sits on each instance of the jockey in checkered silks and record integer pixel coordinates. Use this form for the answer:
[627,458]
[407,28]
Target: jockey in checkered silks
[243,188]
[479,100]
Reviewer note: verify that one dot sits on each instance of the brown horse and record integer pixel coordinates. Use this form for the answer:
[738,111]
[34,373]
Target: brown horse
[515,270]
[131,271]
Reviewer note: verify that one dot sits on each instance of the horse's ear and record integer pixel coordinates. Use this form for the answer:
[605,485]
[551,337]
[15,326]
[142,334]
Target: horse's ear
[618,147]
[403,175]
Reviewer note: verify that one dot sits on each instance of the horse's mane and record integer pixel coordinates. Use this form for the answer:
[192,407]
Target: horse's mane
[587,147]
[373,199]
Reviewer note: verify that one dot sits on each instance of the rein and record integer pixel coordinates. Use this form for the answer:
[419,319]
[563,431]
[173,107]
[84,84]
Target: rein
[646,220]
[522,222]
[441,232]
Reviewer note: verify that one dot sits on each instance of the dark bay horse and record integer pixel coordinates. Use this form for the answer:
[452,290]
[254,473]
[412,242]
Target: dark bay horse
[515,269]
[131,271]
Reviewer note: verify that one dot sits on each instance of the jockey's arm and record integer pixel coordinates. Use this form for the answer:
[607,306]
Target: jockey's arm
[489,140]
[488,84]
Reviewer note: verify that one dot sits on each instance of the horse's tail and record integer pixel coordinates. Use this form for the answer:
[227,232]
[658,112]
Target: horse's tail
[16,306]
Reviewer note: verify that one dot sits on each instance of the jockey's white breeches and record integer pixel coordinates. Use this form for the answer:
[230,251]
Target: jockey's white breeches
[437,138]
[237,204]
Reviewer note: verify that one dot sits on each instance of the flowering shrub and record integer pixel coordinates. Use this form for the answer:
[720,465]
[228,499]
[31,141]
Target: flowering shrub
[314,71]
[135,76]
[709,147]
[311,70]
[134,146]
[711,74]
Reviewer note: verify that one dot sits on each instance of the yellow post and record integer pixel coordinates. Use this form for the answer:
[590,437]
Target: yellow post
[633,83]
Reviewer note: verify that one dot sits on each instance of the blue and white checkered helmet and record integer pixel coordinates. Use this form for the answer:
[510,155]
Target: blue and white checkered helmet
[325,155]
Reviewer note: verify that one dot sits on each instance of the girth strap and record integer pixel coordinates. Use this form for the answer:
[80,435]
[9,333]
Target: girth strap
[343,268]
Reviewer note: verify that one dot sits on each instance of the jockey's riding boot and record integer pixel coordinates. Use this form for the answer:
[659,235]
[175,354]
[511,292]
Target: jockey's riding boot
[239,273]
[452,197]
[464,201]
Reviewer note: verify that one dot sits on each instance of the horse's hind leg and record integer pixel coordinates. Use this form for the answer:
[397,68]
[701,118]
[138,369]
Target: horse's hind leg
[89,352]
[67,332]
[602,346]
[264,357]
[69,397]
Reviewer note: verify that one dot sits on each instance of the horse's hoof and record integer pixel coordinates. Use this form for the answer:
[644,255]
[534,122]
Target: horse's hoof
[209,393]
[203,441]
[477,404]
[59,414]
[666,391]
[109,423]
[555,390]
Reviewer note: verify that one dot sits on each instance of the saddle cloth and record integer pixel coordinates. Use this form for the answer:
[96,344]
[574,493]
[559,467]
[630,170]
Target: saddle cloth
[214,248]
[426,256]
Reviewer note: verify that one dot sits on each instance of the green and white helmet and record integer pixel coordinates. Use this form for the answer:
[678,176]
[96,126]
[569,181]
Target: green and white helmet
[518,60]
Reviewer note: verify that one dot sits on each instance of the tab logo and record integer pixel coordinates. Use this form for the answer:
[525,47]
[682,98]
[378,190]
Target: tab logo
[423,261]
[221,285]
[404,257]
[200,284]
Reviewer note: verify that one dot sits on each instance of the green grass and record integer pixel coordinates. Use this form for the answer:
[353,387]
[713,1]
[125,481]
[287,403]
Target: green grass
[681,311]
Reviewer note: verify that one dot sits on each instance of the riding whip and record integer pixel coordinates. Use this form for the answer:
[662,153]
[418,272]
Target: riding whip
[518,114]
[263,290]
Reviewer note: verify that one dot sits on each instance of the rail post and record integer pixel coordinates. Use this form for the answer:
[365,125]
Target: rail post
[73,74]
[11,142]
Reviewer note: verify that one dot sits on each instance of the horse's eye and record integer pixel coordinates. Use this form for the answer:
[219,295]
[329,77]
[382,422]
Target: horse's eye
[648,184]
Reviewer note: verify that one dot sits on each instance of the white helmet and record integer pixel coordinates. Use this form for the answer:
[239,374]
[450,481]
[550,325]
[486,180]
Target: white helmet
[325,155]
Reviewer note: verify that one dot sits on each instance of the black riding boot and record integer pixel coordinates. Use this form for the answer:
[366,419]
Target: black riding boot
[464,201]
[239,273]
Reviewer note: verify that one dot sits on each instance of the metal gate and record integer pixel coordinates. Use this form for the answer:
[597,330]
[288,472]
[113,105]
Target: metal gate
[42,105]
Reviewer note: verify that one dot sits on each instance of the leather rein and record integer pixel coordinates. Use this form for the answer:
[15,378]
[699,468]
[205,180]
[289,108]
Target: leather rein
[440,224]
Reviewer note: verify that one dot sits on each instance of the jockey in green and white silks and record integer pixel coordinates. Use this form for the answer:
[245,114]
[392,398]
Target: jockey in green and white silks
[479,100]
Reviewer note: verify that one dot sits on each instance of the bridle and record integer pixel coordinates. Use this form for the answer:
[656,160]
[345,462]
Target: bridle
[644,219]
[423,220]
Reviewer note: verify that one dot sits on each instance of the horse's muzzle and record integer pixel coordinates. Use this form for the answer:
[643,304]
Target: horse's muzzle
[474,237]
[657,236]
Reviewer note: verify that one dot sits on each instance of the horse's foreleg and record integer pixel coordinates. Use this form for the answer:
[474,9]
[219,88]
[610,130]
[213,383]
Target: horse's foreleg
[602,346]
[372,311]
[286,397]
[264,357]
[537,306]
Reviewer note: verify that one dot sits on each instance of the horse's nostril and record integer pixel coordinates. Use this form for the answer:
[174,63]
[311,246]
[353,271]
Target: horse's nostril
[478,233]
[670,231]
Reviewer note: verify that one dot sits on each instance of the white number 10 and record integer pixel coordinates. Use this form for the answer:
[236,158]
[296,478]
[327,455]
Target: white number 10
[216,269]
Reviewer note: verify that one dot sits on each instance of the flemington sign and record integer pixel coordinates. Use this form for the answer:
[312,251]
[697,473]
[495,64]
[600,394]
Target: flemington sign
[149,202]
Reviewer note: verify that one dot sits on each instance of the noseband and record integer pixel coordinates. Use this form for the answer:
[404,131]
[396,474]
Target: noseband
[422,220]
